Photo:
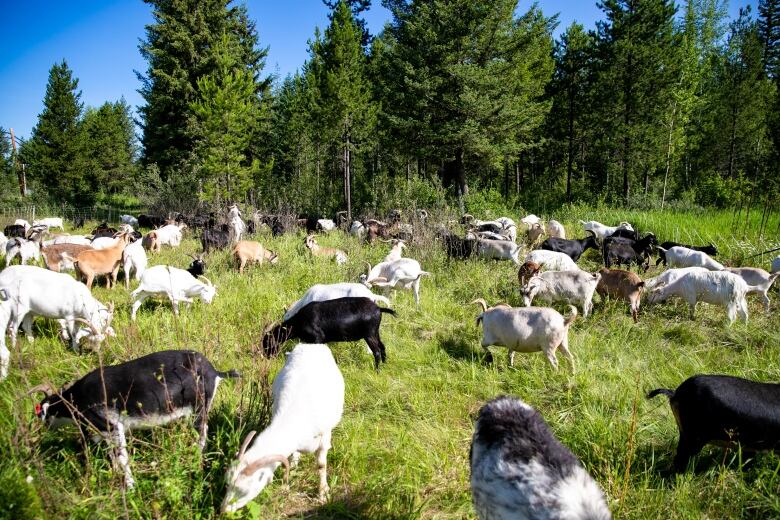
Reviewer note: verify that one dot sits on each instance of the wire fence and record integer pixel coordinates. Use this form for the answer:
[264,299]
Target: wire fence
[31,212]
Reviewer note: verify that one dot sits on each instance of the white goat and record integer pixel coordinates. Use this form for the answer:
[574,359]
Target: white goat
[3,243]
[326,225]
[498,249]
[679,256]
[321,293]
[396,252]
[572,287]
[716,287]
[26,249]
[357,229]
[237,228]
[308,401]
[50,222]
[134,260]
[128,219]
[526,329]
[169,235]
[519,470]
[555,229]
[103,243]
[176,284]
[670,275]
[23,223]
[552,260]
[401,274]
[27,291]
[601,231]
[71,239]
[530,220]
[759,281]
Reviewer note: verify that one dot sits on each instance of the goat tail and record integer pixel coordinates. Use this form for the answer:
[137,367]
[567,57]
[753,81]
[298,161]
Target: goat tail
[482,303]
[423,273]
[386,310]
[658,391]
[379,298]
[232,373]
[573,316]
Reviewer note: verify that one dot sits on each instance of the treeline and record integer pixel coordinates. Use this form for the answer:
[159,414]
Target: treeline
[450,101]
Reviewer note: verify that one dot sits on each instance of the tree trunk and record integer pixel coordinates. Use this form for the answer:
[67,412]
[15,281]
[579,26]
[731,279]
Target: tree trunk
[570,164]
[461,186]
[668,155]
[347,187]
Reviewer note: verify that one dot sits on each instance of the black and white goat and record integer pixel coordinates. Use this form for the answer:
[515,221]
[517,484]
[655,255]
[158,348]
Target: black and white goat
[722,410]
[342,319]
[520,470]
[143,393]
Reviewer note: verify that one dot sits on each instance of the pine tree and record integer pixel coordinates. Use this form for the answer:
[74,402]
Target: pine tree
[769,33]
[225,112]
[55,152]
[110,145]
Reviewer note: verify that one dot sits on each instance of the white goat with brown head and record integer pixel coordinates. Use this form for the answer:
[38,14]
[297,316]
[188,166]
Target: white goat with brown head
[327,252]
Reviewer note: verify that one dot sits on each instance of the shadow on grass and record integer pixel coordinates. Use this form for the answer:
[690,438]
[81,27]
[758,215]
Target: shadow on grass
[458,345]
[355,507]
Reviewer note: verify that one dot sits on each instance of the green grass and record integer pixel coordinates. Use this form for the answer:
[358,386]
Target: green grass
[401,450]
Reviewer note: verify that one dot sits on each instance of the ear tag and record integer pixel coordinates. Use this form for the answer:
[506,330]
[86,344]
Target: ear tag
[38,409]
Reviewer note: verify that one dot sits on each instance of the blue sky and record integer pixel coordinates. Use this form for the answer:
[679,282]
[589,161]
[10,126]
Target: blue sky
[99,40]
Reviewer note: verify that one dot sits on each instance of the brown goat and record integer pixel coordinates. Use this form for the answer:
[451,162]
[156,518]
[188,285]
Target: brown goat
[60,256]
[622,285]
[526,271]
[104,261]
[331,252]
[248,251]
[151,243]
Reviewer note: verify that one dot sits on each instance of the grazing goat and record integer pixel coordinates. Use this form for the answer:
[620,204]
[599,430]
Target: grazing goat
[671,275]
[570,287]
[530,220]
[50,222]
[716,287]
[555,229]
[134,260]
[723,410]
[498,250]
[526,329]
[401,274]
[150,221]
[320,293]
[198,265]
[59,257]
[683,257]
[214,239]
[600,231]
[759,281]
[71,239]
[520,470]
[622,250]
[622,285]
[247,251]
[357,229]
[102,243]
[308,401]
[140,394]
[456,247]
[106,261]
[534,233]
[28,291]
[552,260]
[526,271]
[327,252]
[175,284]
[129,219]
[26,249]
[573,248]
[709,249]
[15,230]
[330,321]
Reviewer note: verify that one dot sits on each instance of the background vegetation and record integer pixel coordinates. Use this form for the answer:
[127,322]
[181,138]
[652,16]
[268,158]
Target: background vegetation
[660,101]
[401,450]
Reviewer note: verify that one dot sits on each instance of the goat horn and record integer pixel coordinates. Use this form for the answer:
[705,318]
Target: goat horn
[88,324]
[206,279]
[369,268]
[270,327]
[264,461]
[245,444]
[46,388]
[482,302]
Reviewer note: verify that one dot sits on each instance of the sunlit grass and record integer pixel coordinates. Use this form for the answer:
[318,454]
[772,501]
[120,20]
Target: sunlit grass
[401,450]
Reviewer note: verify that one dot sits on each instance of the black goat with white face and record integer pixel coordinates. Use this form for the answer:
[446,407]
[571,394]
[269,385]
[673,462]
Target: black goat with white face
[722,410]
[198,266]
[139,394]
[342,319]
[519,470]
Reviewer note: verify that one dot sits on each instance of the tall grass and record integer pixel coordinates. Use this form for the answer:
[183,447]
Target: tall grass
[401,450]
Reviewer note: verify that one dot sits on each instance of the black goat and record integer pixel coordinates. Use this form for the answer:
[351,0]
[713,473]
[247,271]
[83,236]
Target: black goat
[150,221]
[460,248]
[78,222]
[625,251]
[342,319]
[625,233]
[573,248]
[214,239]
[198,266]
[709,249]
[142,393]
[715,409]
[15,230]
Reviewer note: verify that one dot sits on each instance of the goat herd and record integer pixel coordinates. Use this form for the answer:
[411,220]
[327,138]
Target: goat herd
[518,468]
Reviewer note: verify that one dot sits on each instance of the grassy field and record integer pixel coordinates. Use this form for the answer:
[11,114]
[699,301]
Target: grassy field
[401,450]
